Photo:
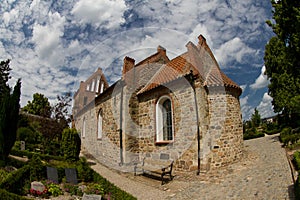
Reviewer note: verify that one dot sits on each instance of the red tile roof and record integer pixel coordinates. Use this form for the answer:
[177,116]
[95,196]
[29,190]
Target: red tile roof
[198,59]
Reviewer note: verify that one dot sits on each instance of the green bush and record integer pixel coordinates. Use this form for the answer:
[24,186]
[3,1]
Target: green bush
[271,128]
[28,135]
[289,136]
[85,173]
[3,174]
[29,155]
[16,180]
[70,144]
[252,133]
[297,188]
[296,160]
[109,188]
[54,189]
[73,189]
[37,169]
[15,162]
[7,195]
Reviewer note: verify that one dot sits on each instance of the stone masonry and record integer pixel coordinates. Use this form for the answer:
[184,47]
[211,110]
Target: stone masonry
[204,105]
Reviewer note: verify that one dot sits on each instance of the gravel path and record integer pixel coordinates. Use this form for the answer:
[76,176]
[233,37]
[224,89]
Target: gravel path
[263,173]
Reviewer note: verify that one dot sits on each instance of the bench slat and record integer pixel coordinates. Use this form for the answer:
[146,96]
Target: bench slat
[162,167]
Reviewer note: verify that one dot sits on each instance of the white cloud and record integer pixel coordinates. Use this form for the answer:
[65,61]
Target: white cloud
[229,30]
[10,16]
[107,13]
[245,108]
[47,37]
[231,50]
[262,80]
[265,107]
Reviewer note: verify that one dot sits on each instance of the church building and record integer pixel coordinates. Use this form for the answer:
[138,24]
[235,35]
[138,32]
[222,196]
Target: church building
[185,109]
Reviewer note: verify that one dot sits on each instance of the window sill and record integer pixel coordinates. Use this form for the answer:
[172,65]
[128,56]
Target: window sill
[164,142]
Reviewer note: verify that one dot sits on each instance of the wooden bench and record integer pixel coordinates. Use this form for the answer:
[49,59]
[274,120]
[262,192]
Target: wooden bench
[156,166]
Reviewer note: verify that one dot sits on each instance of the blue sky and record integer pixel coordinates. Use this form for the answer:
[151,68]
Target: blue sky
[55,44]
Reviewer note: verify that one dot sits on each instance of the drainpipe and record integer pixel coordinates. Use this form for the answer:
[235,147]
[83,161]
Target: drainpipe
[197,120]
[121,125]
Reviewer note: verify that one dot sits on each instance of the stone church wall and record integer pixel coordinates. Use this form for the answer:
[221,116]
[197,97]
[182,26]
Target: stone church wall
[183,149]
[225,127]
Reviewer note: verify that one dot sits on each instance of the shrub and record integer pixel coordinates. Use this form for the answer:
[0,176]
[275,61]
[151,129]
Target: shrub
[54,189]
[15,162]
[7,195]
[296,159]
[109,188]
[95,188]
[73,189]
[85,173]
[37,169]
[285,136]
[70,144]
[28,135]
[297,188]
[252,133]
[16,180]
[29,155]
[3,174]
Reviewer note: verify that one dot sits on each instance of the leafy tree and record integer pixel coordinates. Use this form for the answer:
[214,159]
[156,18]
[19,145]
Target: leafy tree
[9,111]
[38,106]
[255,118]
[4,77]
[61,110]
[282,58]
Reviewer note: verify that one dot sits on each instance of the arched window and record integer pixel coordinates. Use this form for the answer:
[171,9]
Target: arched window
[164,121]
[83,128]
[99,125]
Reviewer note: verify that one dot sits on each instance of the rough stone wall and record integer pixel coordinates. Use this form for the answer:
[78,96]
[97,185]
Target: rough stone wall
[183,149]
[225,127]
[219,121]
[107,149]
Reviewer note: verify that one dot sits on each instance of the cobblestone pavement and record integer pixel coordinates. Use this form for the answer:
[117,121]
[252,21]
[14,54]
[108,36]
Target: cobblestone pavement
[263,173]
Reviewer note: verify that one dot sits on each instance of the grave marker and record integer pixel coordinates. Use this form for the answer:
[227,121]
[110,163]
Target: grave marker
[91,197]
[22,145]
[71,175]
[37,186]
[52,174]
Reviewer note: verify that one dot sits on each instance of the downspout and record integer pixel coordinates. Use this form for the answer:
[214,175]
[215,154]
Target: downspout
[121,125]
[197,121]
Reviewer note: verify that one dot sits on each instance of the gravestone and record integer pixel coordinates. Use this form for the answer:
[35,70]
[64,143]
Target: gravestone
[37,186]
[22,145]
[91,197]
[52,174]
[71,175]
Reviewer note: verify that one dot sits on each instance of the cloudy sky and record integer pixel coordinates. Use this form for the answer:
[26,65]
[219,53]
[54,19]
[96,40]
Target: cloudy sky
[54,44]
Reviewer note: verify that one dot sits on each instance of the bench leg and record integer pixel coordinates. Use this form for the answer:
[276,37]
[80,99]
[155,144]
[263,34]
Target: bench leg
[162,176]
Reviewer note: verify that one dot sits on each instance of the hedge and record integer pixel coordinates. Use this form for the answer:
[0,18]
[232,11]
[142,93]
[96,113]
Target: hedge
[16,180]
[29,155]
[110,188]
[7,195]
[297,188]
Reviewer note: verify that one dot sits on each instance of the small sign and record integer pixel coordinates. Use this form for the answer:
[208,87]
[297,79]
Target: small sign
[91,197]
[71,175]
[52,174]
[22,145]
